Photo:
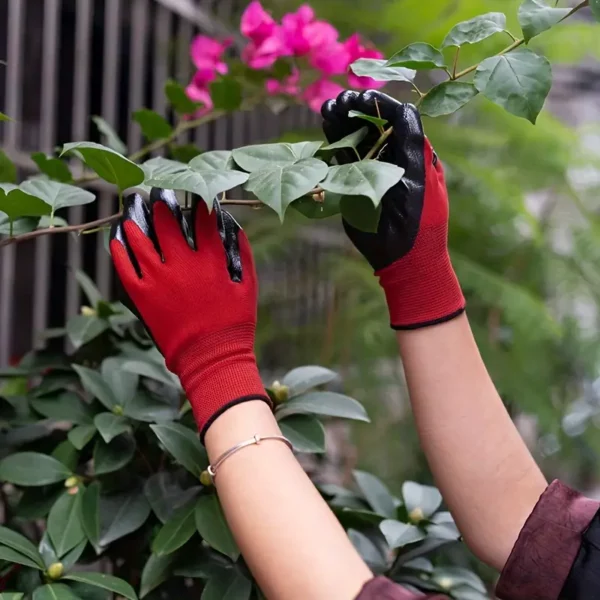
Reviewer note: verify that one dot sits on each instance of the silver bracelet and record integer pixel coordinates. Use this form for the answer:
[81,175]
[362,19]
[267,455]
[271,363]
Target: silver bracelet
[256,439]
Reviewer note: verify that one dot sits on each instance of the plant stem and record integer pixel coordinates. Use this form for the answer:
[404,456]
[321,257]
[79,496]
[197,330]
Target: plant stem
[382,138]
[455,63]
[517,42]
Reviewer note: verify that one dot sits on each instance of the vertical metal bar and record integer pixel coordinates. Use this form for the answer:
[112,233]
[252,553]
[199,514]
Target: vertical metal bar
[137,69]
[111,75]
[162,38]
[51,39]
[81,94]
[12,133]
[185,32]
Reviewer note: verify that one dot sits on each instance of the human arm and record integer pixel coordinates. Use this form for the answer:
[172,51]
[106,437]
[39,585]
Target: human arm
[194,287]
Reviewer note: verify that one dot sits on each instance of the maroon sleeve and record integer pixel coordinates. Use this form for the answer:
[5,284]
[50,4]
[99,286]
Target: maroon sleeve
[543,555]
[381,588]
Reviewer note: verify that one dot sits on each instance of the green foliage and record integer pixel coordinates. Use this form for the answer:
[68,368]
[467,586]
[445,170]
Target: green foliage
[109,135]
[446,98]
[418,56]
[154,126]
[475,30]
[535,17]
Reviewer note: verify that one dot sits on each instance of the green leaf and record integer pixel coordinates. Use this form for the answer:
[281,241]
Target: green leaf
[81,436]
[369,178]
[302,379]
[152,370]
[376,493]
[110,425]
[32,468]
[57,195]
[8,171]
[165,494]
[176,531]
[352,140]
[156,571]
[425,498]
[185,152]
[453,577]
[13,556]
[122,514]
[96,386]
[368,550]
[183,444]
[176,95]
[229,584]
[82,329]
[207,184]
[92,293]
[518,82]
[399,534]
[90,514]
[154,126]
[595,6]
[17,203]
[4,117]
[475,30]
[535,17]
[11,595]
[106,582]
[306,433]
[53,167]
[418,56]
[54,591]
[226,94]
[21,544]
[159,166]
[328,404]
[266,156]
[318,210]
[19,226]
[67,454]
[279,186]
[376,69]
[64,525]
[114,456]
[446,98]
[66,407]
[123,384]
[370,118]
[212,526]
[110,136]
[150,409]
[217,160]
[359,212]
[108,164]
[36,502]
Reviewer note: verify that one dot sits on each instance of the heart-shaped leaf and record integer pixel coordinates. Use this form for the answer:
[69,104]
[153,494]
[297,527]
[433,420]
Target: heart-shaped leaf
[379,122]
[212,526]
[109,136]
[535,17]
[376,69]
[8,171]
[352,140]
[53,167]
[279,185]
[32,468]
[108,164]
[518,82]
[57,195]
[268,156]
[16,203]
[154,126]
[369,178]
[446,98]
[218,160]
[475,30]
[179,99]
[418,56]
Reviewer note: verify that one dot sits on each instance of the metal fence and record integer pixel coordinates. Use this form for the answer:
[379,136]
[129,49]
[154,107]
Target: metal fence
[66,61]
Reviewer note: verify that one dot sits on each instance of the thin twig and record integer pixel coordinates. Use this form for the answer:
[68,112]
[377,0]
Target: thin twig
[382,139]
[453,76]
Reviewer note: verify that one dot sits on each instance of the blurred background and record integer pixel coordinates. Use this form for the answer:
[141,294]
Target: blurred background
[525,224]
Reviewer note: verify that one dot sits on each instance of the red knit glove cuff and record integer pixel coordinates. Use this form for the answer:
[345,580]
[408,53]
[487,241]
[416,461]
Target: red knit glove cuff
[421,288]
[220,373]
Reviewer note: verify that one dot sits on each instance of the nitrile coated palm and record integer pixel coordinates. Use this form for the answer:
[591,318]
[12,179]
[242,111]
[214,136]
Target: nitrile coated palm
[194,287]
[409,251]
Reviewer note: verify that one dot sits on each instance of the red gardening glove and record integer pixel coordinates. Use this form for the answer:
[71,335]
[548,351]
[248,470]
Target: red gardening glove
[409,252]
[195,289]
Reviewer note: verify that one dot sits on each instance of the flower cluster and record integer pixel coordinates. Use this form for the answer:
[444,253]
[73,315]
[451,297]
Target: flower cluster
[299,36]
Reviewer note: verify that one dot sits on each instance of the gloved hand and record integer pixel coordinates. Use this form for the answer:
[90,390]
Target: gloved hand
[409,251]
[195,289]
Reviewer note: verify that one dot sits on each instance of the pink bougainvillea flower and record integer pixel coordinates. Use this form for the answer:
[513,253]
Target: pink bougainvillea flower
[265,54]
[257,24]
[332,59]
[290,85]
[357,50]
[302,34]
[207,56]
[320,91]
[197,92]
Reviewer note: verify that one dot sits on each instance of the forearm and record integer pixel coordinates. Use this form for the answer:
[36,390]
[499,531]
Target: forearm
[292,542]
[480,463]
